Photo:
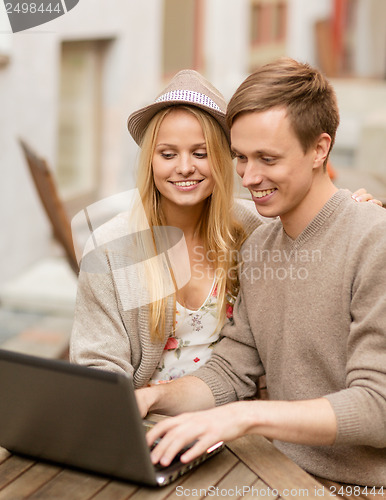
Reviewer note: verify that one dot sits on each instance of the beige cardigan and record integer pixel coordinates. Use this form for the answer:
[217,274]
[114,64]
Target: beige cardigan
[104,335]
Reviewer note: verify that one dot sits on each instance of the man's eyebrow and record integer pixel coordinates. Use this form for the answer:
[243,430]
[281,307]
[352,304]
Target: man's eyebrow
[258,152]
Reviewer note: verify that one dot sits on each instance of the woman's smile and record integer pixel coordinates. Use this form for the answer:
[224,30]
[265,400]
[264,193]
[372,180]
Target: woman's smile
[186,185]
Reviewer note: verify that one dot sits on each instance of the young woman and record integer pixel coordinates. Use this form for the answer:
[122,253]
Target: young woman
[185,181]
[145,323]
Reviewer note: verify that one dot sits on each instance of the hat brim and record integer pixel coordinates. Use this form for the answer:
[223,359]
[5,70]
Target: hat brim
[138,121]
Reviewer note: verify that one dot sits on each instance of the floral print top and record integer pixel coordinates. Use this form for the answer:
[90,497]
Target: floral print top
[191,345]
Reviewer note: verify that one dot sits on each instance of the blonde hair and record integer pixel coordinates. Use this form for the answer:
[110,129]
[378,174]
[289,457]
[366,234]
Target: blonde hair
[221,234]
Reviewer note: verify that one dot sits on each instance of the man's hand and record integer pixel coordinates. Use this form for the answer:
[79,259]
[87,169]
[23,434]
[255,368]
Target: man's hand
[205,428]
[310,422]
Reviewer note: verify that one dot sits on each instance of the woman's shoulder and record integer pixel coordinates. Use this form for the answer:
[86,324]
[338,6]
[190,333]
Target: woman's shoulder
[246,214]
[110,231]
[115,227]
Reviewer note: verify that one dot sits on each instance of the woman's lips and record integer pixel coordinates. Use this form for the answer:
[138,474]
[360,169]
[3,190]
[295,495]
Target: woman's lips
[186,185]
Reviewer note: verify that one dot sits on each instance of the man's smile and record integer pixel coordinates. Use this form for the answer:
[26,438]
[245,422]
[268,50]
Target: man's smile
[262,193]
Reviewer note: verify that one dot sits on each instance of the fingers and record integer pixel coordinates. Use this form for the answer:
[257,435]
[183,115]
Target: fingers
[179,432]
[358,192]
[200,430]
[362,195]
[377,202]
[200,447]
[365,197]
[159,430]
[176,434]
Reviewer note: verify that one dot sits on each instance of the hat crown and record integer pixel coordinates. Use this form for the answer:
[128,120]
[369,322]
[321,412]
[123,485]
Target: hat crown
[188,80]
[187,88]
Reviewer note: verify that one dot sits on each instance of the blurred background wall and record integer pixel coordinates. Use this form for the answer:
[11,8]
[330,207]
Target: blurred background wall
[67,88]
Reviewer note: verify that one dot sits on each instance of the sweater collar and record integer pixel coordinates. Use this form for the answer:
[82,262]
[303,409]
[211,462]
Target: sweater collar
[319,220]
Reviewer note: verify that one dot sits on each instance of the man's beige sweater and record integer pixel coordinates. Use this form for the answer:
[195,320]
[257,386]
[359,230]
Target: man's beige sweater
[311,315]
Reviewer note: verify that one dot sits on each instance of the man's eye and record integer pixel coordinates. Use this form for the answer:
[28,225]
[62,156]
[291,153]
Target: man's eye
[268,159]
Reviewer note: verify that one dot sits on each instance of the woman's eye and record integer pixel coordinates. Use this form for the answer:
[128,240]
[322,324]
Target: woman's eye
[241,158]
[167,156]
[201,155]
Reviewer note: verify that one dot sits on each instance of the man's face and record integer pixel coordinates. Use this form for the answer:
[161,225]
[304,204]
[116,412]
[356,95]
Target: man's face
[271,162]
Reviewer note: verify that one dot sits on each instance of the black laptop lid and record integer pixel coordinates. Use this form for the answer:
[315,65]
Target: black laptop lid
[74,415]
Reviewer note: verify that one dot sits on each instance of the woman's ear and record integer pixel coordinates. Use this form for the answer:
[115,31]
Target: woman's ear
[322,149]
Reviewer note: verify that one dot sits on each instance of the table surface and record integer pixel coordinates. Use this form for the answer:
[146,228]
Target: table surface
[247,462]
[249,467]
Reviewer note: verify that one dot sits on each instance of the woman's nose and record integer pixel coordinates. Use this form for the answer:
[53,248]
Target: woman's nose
[185,165]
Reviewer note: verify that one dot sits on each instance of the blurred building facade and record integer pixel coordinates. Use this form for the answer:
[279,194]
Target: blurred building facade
[67,87]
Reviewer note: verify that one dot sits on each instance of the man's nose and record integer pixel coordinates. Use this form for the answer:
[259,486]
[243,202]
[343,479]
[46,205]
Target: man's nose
[251,175]
[185,165]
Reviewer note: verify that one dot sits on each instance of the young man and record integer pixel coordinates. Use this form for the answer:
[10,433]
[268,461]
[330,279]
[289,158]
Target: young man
[311,312]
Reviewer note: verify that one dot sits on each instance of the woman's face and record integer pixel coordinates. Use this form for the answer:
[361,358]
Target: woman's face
[181,169]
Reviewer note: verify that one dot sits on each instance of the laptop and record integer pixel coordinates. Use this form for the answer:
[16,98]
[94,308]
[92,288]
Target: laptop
[80,417]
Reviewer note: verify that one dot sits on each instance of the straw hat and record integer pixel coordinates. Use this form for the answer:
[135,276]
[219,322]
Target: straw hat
[186,88]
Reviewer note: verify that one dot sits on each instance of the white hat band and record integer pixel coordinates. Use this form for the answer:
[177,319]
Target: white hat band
[188,96]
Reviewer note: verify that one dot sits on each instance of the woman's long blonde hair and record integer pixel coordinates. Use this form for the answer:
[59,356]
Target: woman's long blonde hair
[221,234]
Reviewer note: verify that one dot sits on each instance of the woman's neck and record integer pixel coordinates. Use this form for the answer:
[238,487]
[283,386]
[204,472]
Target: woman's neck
[188,219]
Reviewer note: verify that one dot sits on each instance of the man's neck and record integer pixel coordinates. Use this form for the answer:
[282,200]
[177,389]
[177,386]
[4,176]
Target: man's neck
[297,220]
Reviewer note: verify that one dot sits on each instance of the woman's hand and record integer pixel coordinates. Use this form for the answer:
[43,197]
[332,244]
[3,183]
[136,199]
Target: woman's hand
[362,195]
[181,395]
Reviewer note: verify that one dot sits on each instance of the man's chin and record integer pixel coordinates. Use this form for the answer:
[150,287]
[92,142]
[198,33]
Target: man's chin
[269,212]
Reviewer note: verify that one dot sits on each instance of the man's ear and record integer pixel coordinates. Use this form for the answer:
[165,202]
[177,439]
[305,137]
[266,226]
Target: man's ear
[322,148]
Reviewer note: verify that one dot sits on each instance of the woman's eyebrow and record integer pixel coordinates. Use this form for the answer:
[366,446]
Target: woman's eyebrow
[200,145]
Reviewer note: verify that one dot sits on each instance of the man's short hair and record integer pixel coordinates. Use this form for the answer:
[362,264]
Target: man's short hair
[304,91]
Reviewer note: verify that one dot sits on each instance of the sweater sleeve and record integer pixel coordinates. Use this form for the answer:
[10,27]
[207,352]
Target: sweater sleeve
[234,368]
[99,338]
[360,408]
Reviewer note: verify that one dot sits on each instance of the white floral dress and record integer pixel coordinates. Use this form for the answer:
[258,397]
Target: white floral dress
[192,342]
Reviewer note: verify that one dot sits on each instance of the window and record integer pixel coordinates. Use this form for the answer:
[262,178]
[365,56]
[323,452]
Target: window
[5,39]
[182,36]
[79,130]
[267,31]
